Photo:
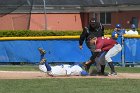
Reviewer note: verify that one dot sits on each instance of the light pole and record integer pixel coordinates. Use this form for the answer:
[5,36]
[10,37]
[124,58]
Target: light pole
[45,16]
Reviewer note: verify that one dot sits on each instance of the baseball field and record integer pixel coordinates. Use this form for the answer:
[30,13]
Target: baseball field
[28,79]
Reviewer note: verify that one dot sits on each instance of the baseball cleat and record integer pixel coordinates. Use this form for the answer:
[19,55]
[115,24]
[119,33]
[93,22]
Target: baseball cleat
[42,61]
[100,74]
[113,74]
[105,74]
[42,51]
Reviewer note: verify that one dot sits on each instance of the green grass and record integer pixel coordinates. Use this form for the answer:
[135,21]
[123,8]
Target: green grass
[121,69]
[35,68]
[83,85]
[126,69]
[19,68]
[70,86]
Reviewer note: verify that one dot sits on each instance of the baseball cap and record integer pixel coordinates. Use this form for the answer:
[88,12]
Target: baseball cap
[133,26]
[118,25]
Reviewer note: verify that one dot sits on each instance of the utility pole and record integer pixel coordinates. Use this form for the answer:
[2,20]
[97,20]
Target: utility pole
[45,16]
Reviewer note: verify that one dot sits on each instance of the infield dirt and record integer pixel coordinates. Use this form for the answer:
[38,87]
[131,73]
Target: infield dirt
[39,75]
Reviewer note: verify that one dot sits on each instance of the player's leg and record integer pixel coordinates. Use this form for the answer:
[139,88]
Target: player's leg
[43,64]
[42,54]
[48,66]
[100,62]
[112,52]
[110,63]
[98,65]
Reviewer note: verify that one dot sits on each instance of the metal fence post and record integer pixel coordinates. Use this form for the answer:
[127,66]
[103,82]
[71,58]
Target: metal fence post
[123,52]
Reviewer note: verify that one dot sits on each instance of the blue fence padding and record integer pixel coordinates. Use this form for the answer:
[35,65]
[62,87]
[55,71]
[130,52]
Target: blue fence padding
[117,58]
[132,46]
[57,51]
[60,51]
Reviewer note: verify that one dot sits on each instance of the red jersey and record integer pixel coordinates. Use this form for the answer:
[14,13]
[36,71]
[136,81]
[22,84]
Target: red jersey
[104,43]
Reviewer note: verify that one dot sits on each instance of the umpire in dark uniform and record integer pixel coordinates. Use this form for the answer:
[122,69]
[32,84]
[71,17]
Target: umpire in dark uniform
[95,29]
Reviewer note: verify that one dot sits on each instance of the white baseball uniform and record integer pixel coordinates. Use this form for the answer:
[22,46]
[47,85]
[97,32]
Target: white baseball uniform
[62,70]
[131,32]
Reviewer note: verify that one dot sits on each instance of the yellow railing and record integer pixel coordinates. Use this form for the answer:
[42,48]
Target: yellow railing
[132,36]
[39,38]
[54,37]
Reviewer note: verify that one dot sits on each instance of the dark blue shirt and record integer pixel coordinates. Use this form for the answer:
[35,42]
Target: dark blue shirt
[120,34]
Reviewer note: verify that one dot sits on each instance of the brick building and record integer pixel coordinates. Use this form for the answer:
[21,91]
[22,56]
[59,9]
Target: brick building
[71,14]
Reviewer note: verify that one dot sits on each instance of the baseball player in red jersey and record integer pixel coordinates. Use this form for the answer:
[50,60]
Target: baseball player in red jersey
[110,46]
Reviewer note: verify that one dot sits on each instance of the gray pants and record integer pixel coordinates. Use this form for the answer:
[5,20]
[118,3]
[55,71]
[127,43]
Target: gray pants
[100,60]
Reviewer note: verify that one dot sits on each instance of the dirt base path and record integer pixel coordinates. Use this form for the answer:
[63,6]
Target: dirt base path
[37,74]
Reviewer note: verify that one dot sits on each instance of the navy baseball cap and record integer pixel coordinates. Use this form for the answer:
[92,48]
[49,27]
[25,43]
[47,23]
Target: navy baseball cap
[133,26]
[118,25]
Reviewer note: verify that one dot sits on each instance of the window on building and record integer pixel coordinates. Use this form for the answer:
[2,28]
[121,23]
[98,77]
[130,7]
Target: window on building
[105,18]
